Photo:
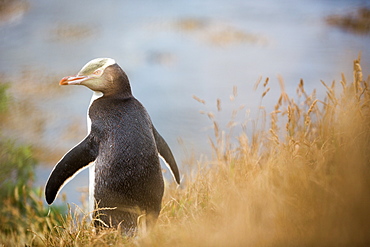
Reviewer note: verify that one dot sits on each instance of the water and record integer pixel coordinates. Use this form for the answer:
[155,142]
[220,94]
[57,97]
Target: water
[172,50]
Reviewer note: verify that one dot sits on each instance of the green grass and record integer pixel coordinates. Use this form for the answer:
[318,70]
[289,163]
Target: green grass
[21,205]
[301,178]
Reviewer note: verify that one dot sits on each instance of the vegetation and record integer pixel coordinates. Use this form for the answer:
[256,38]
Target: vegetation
[301,178]
[357,22]
[21,205]
[11,8]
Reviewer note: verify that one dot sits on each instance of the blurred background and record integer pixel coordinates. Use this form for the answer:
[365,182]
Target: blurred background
[171,51]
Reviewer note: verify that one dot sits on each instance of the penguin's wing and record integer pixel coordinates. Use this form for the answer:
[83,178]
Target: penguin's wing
[166,154]
[72,162]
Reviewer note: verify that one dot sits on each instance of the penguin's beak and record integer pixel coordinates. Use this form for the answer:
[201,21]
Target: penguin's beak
[73,80]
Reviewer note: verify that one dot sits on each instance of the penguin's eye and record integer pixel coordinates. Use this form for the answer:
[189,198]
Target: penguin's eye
[98,72]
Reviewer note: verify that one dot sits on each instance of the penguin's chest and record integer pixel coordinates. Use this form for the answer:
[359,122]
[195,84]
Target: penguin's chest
[92,201]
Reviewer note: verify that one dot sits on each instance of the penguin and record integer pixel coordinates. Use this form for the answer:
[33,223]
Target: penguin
[122,150]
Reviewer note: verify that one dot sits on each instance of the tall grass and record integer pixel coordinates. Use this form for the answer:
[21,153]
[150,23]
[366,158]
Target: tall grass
[300,177]
[22,210]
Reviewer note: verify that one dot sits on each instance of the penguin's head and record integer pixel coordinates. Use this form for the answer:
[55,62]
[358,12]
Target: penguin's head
[100,74]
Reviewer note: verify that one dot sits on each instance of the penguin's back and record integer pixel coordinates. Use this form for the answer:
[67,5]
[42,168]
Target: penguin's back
[127,169]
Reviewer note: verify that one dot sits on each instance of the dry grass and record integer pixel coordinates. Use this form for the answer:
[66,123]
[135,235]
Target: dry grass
[300,179]
[302,182]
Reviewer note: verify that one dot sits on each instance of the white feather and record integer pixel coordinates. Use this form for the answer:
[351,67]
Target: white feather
[95,96]
[168,165]
[71,177]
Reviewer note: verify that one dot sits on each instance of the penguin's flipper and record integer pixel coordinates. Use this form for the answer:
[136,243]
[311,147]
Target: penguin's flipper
[166,154]
[72,162]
